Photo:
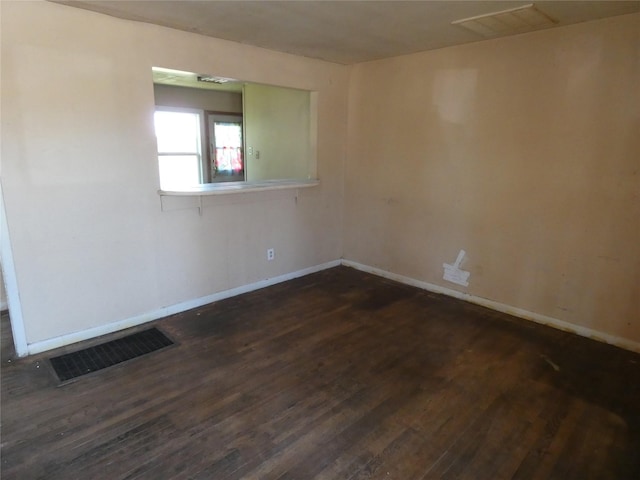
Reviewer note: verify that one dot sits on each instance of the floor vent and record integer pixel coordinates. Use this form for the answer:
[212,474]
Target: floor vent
[92,359]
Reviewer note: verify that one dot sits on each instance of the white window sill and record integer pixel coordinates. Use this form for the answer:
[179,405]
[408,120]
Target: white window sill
[238,187]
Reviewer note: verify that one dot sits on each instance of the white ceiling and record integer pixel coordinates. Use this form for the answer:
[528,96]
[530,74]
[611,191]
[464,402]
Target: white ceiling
[343,31]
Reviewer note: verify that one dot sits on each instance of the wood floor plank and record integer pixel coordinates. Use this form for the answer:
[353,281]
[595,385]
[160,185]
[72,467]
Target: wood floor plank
[336,375]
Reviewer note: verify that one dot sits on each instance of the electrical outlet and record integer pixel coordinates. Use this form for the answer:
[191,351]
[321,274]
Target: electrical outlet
[271,254]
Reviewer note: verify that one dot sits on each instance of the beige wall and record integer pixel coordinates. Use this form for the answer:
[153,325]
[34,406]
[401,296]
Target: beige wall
[200,98]
[91,245]
[523,151]
[277,123]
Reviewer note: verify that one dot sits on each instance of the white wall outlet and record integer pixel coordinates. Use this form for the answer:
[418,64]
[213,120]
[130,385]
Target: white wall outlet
[271,254]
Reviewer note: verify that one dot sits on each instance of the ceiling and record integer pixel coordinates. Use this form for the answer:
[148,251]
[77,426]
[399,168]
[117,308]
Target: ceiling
[343,31]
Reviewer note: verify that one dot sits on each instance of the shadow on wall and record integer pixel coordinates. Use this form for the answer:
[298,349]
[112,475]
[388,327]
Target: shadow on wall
[3,293]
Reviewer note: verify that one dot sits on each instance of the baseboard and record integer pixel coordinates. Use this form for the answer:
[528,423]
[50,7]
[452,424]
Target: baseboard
[4,306]
[50,344]
[501,307]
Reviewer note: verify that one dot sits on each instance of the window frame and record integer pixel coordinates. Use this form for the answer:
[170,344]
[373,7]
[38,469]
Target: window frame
[210,143]
[205,155]
[203,169]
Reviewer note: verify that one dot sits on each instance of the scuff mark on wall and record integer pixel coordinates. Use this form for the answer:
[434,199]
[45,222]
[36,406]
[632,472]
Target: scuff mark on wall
[453,274]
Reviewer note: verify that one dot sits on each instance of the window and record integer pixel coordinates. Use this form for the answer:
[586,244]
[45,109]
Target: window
[179,136]
[187,158]
[225,145]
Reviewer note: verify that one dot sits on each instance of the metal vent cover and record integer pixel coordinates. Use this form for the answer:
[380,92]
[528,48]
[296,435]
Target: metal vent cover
[92,359]
[522,19]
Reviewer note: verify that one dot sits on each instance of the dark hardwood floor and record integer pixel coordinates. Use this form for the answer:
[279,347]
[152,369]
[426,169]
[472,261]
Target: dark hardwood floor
[337,375]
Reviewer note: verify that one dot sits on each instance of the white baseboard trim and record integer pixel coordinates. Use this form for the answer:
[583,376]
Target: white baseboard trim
[50,344]
[501,307]
[11,283]
[4,306]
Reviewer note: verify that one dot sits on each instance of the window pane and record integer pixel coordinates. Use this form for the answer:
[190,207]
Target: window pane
[177,132]
[228,148]
[228,134]
[178,171]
